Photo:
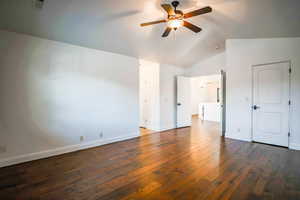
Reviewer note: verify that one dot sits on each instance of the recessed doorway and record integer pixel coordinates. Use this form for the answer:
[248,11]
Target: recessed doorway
[202,98]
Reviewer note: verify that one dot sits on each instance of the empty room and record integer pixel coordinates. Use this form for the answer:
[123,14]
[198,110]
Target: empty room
[149,100]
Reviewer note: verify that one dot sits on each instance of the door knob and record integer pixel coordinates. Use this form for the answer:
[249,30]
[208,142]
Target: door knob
[178,104]
[255,107]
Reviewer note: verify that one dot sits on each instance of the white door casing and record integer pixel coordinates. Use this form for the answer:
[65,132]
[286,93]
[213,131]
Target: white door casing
[223,102]
[184,117]
[271,95]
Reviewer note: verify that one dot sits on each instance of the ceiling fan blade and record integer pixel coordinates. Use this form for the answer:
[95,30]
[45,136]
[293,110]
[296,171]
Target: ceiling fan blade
[168,8]
[198,12]
[192,27]
[154,22]
[167,31]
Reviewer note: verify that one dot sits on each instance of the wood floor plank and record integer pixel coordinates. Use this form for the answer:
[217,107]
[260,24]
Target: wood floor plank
[185,164]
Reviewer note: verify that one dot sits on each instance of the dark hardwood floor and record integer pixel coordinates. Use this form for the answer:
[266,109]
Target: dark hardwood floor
[189,163]
[145,131]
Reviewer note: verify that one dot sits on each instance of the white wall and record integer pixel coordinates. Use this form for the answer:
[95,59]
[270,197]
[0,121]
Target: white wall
[197,93]
[204,89]
[52,93]
[149,95]
[212,111]
[158,91]
[209,66]
[241,54]
[168,95]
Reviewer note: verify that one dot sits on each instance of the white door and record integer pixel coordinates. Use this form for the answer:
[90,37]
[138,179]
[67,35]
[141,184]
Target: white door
[271,91]
[184,117]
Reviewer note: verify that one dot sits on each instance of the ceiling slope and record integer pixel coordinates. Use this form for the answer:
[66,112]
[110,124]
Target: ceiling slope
[113,25]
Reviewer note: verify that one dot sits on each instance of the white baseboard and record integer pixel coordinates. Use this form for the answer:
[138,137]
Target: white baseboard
[167,127]
[61,150]
[294,146]
[153,127]
[237,137]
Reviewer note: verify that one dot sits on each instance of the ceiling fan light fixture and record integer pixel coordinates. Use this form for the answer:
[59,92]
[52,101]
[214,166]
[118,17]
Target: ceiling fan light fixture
[176,18]
[175,23]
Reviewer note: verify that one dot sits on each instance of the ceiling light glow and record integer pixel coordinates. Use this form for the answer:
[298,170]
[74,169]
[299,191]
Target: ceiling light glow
[175,23]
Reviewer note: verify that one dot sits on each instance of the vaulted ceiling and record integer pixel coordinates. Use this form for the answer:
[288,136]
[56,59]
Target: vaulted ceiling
[113,25]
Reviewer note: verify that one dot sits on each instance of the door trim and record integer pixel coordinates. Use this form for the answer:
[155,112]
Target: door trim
[223,103]
[252,96]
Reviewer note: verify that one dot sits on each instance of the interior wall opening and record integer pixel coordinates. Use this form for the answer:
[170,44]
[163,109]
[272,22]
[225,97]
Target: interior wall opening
[207,100]
[148,97]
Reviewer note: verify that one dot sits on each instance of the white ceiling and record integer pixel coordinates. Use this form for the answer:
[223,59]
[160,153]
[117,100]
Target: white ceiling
[113,25]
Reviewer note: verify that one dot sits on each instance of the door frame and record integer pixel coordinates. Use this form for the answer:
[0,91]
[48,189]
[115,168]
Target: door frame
[223,103]
[222,73]
[252,96]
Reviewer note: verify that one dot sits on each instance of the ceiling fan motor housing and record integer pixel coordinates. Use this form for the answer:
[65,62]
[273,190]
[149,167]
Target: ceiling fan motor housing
[178,13]
[175,4]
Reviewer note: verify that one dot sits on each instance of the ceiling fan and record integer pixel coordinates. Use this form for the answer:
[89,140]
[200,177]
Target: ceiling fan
[176,18]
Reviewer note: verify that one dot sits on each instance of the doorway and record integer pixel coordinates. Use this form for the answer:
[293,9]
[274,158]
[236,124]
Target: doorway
[202,99]
[271,103]
[205,97]
[149,97]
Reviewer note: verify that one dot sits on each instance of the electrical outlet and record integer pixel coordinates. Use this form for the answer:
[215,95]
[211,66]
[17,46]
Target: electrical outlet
[81,138]
[101,135]
[2,149]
